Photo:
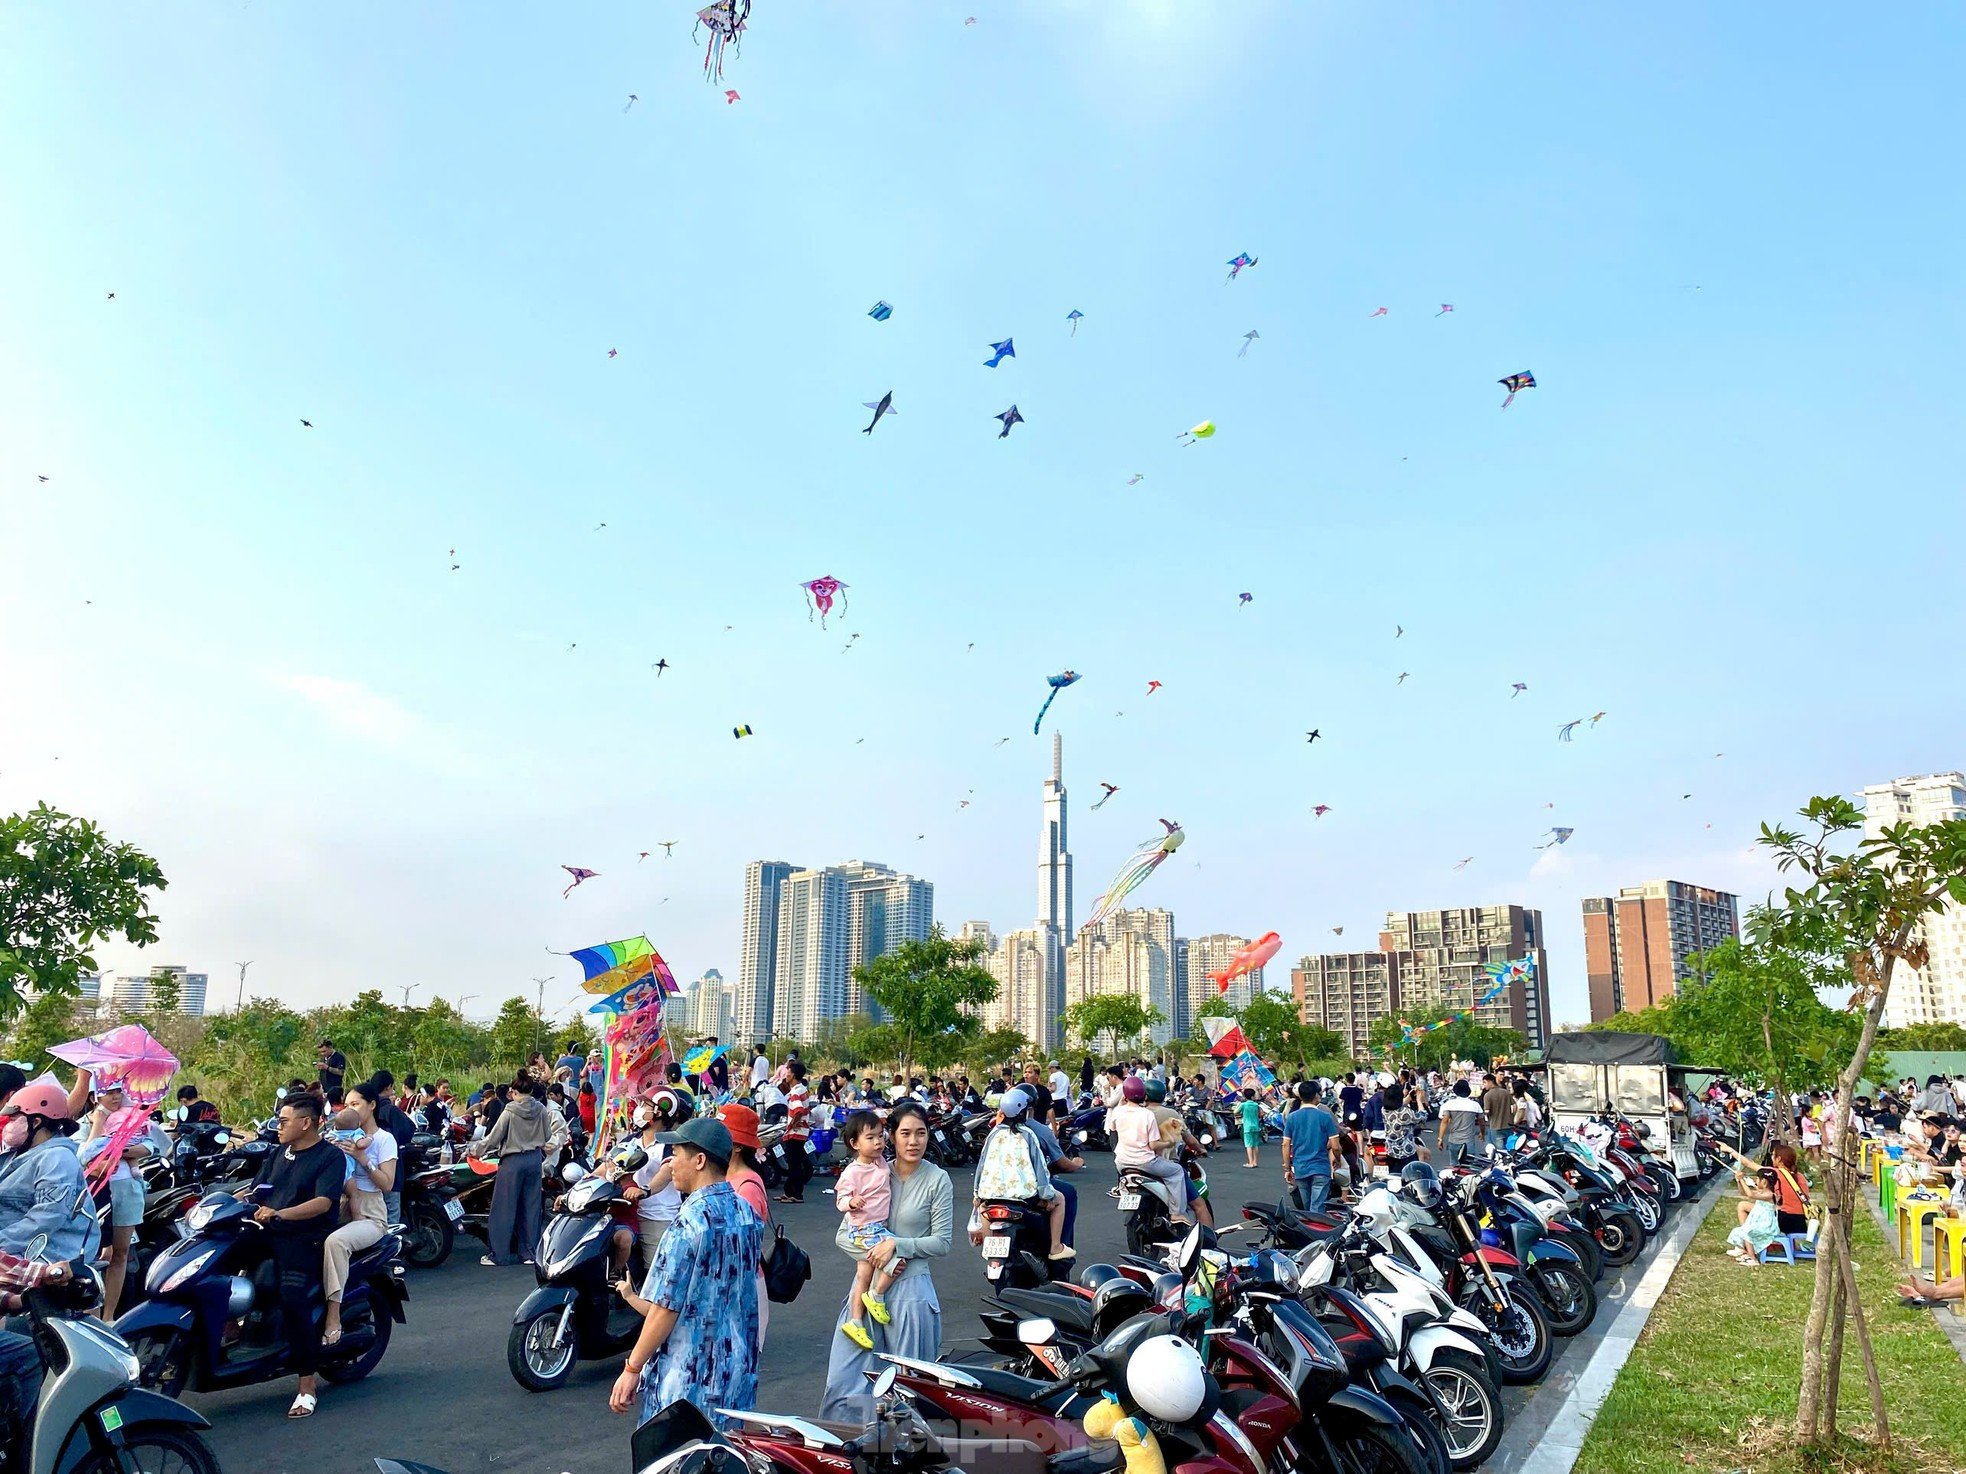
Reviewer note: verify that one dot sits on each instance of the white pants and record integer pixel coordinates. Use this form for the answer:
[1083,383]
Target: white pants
[363,1228]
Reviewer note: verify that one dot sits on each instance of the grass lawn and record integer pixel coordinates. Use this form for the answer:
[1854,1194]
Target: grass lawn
[1718,1365]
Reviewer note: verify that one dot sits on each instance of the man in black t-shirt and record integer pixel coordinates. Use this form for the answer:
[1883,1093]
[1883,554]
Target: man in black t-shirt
[334,1065]
[299,1196]
[1040,1093]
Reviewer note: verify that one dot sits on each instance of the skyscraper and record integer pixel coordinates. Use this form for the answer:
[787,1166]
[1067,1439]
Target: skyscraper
[1130,952]
[708,1007]
[809,982]
[1211,954]
[1054,893]
[757,957]
[131,994]
[1637,943]
[1347,993]
[1936,992]
[884,909]
[1023,999]
[1449,950]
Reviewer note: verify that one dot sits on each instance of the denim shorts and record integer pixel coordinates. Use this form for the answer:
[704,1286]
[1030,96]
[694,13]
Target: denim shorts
[125,1202]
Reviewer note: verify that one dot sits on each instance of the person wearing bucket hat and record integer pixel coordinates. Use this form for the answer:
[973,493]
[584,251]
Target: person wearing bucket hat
[699,1303]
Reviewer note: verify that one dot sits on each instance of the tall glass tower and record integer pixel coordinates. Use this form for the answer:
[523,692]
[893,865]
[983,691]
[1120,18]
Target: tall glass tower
[1054,898]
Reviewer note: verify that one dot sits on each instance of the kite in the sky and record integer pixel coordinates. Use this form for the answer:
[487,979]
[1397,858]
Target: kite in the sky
[1600,716]
[111,297]
[1200,432]
[1073,318]
[1557,837]
[731,95]
[668,848]
[820,593]
[1377,312]
[851,641]
[999,352]
[1445,308]
[632,100]
[1009,417]
[1236,264]
[1516,688]
[1152,686]
[1515,384]
[645,855]
[882,406]
[1337,931]
[659,667]
[1249,957]
[1465,863]
[1000,742]
[1247,338]
[1111,789]
[1563,732]
[1057,683]
[1135,479]
[1243,598]
[1133,874]
[740,731]
[1398,630]
[42,479]
[1318,811]
[614,353]
[578,875]
[880,312]
[725,18]
[1312,735]
[307,424]
[1402,678]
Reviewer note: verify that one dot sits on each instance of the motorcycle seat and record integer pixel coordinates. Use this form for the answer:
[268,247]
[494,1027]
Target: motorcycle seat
[375,1256]
[1094,1458]
[1010,1386]
[1067,1312]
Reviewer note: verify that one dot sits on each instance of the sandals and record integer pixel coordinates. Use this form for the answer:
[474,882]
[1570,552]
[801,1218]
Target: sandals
[304,1406]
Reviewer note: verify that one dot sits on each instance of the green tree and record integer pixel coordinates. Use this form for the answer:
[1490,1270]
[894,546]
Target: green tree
[1753,1010]
[1116,1016]
[993,1047]
[516,1034]
[929,990]
[63,888]
[1277,1033]
[1933,1038]
[165,995]
[50,1018]
[1863,905]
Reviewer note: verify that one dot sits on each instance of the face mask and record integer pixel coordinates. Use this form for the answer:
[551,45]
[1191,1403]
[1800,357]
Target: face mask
[14,1136]
[644,1116]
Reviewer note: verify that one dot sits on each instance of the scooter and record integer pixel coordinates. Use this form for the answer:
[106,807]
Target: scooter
[91,1413]
[575,1314]
[212,1321]
[1017,1244]
[1553,1267]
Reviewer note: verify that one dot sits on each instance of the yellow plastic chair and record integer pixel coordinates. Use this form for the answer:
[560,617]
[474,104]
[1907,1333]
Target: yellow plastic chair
[1948,1247]
[1912,1213]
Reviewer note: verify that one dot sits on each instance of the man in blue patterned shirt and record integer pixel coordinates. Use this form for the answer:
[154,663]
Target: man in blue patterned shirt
[699,1340]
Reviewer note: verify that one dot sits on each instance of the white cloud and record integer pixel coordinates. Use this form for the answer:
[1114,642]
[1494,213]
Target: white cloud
[352,708]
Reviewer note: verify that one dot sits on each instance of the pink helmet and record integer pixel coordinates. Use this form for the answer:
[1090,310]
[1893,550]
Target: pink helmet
[49,1101]
[1134,1089]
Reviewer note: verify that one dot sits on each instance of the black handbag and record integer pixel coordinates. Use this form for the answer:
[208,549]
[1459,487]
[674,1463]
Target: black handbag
[787,1268]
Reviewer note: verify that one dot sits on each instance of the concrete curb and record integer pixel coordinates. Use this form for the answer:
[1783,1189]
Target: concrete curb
[1550,1443]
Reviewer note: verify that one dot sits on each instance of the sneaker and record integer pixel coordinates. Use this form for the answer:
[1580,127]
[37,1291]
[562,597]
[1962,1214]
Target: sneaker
[855,1332]
[876,1307]
[1066,1252]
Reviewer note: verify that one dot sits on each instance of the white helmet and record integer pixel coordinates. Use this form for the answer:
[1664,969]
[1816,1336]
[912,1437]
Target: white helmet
[1165,1380]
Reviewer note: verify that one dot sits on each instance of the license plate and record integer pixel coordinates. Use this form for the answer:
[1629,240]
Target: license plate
[454,1210]
[1129,1202]
[996,1248]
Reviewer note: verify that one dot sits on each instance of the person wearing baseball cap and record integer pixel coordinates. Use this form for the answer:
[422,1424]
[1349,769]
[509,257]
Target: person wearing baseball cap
[699,1303]
[41,1188]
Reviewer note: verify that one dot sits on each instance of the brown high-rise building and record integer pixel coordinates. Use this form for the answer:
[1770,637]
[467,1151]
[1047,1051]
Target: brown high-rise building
[1637,943]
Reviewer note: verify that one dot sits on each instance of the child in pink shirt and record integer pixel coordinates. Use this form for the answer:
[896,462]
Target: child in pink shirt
[865,1193]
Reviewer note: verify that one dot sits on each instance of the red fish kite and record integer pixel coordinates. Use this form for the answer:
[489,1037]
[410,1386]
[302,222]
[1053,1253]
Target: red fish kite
[1247,959]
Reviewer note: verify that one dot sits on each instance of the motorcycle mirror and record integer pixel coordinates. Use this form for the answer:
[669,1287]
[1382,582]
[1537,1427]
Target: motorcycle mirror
[1038,1332]
[884,1381]
[281,1093]
[1190,1254]
[262,1191]
[37,1246]
[220,1138]
[571,1173]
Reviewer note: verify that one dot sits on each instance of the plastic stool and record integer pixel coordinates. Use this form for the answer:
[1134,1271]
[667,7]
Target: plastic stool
[1949,1246]
[1778,1251]
[1802,1248]
[1912,1213]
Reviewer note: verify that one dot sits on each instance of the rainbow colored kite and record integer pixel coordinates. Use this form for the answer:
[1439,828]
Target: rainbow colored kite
[613,966]
[633,982]
[1501,975]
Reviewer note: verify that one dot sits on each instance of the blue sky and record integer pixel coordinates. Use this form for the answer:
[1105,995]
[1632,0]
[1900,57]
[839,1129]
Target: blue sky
[1729,517]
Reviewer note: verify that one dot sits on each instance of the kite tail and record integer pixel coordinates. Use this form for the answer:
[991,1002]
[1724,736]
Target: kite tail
[1045,708]
[1510,400]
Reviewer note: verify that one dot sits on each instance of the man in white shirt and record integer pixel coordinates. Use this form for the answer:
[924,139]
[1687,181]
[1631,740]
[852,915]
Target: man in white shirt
[770,1102]
[1060,1086]
[760,1067]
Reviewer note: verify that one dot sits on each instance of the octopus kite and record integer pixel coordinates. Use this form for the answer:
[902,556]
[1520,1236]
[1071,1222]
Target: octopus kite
[725,19]
[1133,874]
[1057,683]
[820,593]
[1563,732]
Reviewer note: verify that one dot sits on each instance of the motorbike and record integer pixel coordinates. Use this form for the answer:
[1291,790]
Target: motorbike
[575,1314]
[91,1412]
[431,1210]
[1555,1179]
[212,1320]
[1017,1244]
[1552,1266]
[1087,1125]
[947,1147]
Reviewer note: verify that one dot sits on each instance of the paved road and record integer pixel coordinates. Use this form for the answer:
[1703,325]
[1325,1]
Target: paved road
[443,1395]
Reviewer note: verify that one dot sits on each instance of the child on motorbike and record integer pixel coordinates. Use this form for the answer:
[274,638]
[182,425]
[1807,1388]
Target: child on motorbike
[1011,1168]
[865,1194]
[1137,1141]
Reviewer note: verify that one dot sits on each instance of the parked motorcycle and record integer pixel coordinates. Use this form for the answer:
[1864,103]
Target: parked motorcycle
[213,1321]
[1553,1267]
[575,1314]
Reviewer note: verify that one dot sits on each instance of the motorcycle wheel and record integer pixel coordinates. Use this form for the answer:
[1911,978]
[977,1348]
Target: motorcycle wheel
[163,1359]
[1520,1335]
[1666,1180]
[1419,1419]
[1620,1237]
[354,1368]
[1474,1408]
[1569,1299]
[1585,1247]
[1372,1448]
[154,1451]
[430,1237]
[536,1364]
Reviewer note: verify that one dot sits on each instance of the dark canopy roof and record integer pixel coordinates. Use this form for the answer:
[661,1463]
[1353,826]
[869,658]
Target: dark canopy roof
[1595,1048]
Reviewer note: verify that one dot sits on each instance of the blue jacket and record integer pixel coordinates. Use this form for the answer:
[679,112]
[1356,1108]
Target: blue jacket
[41,1192]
